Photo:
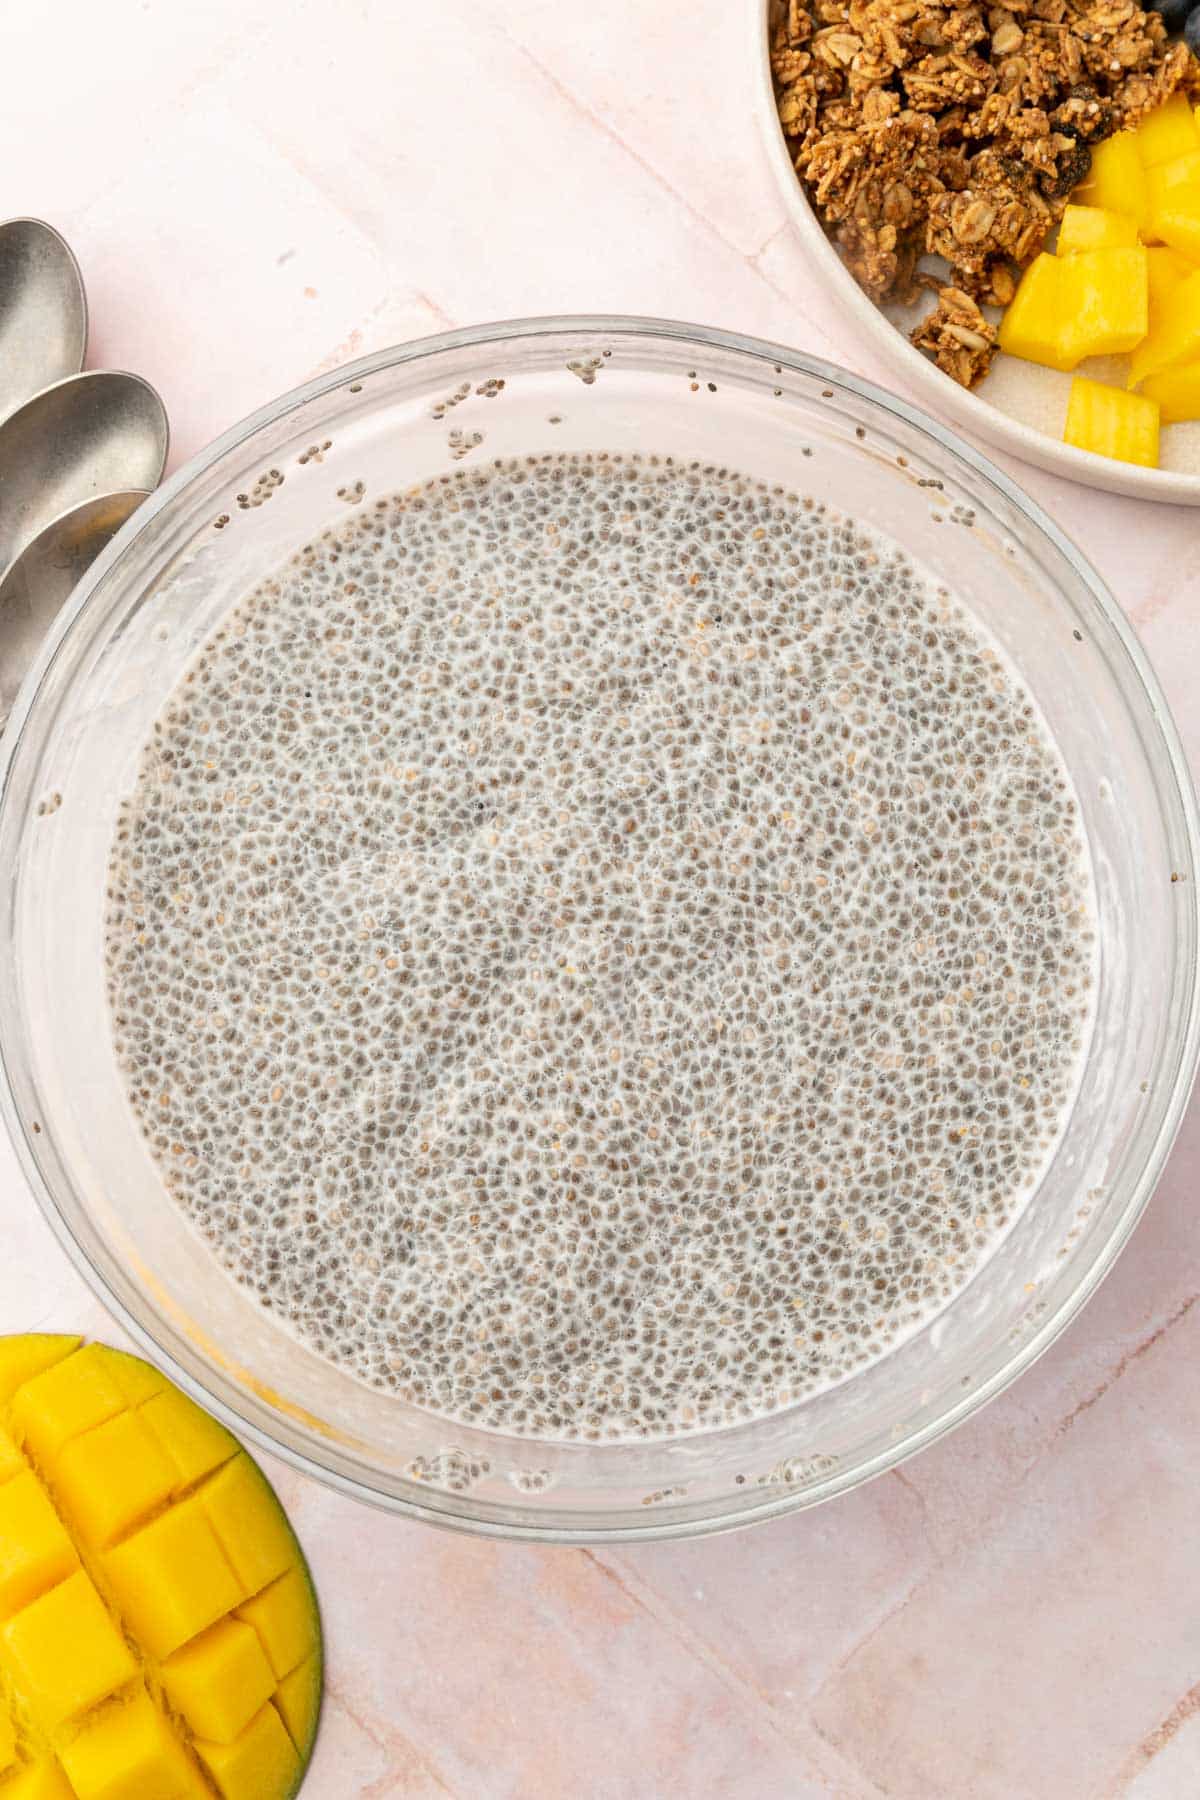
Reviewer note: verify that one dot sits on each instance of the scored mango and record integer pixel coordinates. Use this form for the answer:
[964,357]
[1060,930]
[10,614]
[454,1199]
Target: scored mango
[159,1635]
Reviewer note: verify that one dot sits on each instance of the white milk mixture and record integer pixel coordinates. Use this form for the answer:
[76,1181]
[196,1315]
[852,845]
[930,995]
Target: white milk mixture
[600,947]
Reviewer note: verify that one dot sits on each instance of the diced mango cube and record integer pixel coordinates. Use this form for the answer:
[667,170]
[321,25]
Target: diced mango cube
[1180,172]
[1095,228]
[219,1680]
[1105,302]
[23,1357]
[111,1478]
[1116,180]
[138,1380]
[247,1518]
[35,1550]
[65,1652]
[1174,335]
[132,1754]
[1177,392]
[172,1579]
[1112,422]
[1174,202]
[285,1617]
[194,1442]
[299,1703]
[45,1781]
[262,1760]
[8,1741]
[63,1402]
[1165,269]
[1033,320]
[1169,131]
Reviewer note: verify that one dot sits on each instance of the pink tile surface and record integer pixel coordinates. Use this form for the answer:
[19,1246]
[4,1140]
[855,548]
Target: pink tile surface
[258,192]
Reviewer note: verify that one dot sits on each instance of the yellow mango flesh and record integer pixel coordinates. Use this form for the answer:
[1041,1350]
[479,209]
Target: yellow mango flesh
[283,1618]
[1117,178]
[23,1357]
[1032,324]
[192,1442]
[1095,228]
[1169,131]
[1088,303]
[1174,203]
[112,1477]
[35,1551]
[41,1781]
[220,1680]
[262,1760]
[1177,392]
[1111,422]
[171,1579]
[297,1696]
[1105,301]
[64,1402]
[132,1754]
[159,1637]
[1174,335]
[65,1652]
[8,1742]
[1165,269]
[1105,293]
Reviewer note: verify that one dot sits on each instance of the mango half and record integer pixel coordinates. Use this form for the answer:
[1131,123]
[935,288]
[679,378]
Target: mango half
[159,1634]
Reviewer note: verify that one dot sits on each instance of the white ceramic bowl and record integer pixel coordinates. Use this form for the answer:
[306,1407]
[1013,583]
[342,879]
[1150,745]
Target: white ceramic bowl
[1019,407]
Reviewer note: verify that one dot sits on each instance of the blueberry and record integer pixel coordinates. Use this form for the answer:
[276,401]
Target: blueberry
[1191,31]
[1175,13]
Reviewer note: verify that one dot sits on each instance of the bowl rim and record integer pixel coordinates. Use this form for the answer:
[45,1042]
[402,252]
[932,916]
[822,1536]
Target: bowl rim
[1187,1039]
[932,386]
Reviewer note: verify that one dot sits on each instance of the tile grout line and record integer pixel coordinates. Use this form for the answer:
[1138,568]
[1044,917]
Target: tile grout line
[1140,1758]
[1058,1431]
[848,1781]
[1122,1365]
[600,124]
[749,257]
[231,47]
[378,1732]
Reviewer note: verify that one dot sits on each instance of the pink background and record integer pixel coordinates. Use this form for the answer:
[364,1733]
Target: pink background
[258,191]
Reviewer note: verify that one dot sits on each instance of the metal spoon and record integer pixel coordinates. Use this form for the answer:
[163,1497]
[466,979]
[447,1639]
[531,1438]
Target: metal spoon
[100,433]
[43,311]
[44,577]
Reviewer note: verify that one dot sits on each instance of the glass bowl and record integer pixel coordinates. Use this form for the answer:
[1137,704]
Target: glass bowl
[237,512]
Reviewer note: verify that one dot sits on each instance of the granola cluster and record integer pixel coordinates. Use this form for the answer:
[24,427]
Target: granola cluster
[947,129]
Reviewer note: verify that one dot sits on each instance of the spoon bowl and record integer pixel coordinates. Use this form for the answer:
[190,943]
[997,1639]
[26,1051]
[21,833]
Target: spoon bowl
[97,434]
[43,311]
[45,575]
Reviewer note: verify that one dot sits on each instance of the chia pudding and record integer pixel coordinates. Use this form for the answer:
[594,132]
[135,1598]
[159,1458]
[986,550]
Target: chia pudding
[601,947]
